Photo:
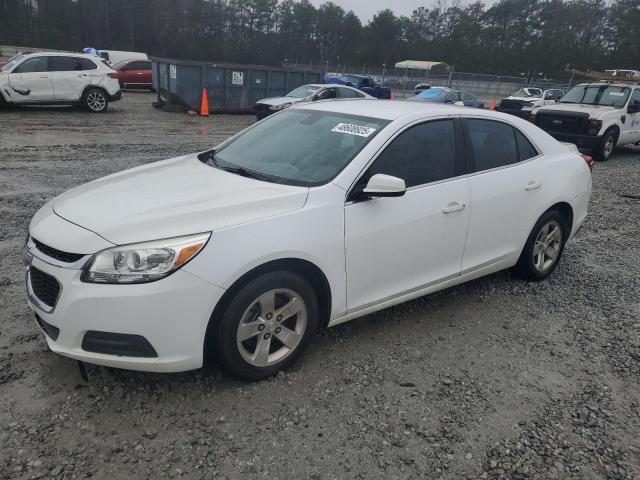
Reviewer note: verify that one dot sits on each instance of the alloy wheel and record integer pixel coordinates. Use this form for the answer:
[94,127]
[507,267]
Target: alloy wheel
[272,327]
[546,249]
[96,101]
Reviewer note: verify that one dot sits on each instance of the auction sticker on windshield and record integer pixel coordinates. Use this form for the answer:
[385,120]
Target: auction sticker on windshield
[351,129]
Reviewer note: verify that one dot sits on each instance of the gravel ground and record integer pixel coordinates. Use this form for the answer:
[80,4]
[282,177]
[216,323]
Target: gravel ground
[497,378]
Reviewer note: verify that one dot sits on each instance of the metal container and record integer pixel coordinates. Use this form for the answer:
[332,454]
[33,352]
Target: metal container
[230,88]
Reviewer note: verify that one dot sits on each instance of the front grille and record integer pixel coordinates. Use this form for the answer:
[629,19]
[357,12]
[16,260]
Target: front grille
[57,254]
[511,104]
[563,122]
[45,287]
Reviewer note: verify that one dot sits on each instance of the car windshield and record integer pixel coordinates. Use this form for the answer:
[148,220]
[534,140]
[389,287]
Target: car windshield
[13,61]
[606,95]
[527,92]
[303,91]
[433,94]
[351,79]
[298,147]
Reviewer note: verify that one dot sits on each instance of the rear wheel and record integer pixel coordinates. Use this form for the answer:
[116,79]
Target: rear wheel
[266,325]
[541,254]
[95,100]
[604,150]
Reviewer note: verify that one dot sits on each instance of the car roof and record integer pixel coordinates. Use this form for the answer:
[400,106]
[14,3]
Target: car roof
[382,109]
[606,84]
[63,54]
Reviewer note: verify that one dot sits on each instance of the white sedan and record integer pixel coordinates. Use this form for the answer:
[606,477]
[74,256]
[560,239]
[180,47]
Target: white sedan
[317,215]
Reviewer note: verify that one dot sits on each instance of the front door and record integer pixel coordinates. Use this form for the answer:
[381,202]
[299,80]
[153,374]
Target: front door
[630,132]
[398,245]
[31,82]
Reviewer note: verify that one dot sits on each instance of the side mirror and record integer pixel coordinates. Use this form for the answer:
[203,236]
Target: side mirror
[381,185]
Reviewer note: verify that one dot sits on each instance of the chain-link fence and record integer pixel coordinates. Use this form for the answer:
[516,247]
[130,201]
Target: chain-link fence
[403,81]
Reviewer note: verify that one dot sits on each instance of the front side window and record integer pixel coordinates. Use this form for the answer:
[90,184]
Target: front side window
[297,146]
[326,94]
[421,154]
[635,97]
[32,65]
[607,95]
[493,144]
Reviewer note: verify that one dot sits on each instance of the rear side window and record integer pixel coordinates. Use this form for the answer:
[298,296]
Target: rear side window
[86,64]
[525,149]
[31,65]
[138,66]
[348,93]
[493,144]
[421,154]
[63,64]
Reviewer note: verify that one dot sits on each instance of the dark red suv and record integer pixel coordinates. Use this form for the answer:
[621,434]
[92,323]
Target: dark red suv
[134,74]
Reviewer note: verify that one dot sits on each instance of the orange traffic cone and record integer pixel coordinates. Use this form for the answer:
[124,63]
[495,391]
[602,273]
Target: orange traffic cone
[204,104]
[492,105]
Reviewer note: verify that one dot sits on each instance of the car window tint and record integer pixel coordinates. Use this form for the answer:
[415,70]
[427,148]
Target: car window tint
[138,66]
[493,143]
[635,97]
[86,64]
[525,149]
[31,65]
[422,154]
[63,64]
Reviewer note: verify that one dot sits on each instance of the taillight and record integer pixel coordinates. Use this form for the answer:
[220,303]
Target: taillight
[589,161]
[112,75]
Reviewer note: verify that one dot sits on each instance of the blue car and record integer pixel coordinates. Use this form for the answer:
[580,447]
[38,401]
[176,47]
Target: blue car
[447,95]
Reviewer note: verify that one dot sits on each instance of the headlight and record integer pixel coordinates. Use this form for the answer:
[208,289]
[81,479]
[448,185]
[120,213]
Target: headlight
[279,107]
[143,262]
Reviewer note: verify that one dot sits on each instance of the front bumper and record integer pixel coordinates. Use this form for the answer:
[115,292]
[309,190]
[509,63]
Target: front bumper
[526,114]
[172,314]
[584,142]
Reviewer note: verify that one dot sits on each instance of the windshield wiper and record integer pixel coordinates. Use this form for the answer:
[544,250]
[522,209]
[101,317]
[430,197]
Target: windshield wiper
[213,162]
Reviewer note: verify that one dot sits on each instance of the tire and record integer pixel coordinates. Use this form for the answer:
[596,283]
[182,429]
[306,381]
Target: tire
[603,151]
[95,100]
[257,351]
[543,250]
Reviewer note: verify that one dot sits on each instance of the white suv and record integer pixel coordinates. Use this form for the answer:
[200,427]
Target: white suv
[59,78]
[316,215]
[595,117]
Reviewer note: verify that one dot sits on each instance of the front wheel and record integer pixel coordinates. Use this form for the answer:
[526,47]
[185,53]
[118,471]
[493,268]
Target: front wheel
[541,254]
[95,100]
[267,325]
[604,150]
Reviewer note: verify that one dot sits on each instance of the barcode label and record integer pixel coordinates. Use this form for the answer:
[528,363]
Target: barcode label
[351,129]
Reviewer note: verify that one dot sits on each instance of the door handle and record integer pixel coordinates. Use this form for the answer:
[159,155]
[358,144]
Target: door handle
[533,185]
[44,76]
[453,207]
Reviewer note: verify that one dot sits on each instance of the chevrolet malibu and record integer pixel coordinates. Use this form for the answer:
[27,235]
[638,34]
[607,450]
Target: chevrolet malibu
[317,215]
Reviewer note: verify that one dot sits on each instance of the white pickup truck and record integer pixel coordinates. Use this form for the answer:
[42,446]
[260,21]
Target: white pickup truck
[595,117]
[526,100]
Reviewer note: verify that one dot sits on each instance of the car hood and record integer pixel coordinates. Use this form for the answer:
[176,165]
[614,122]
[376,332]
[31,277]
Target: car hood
[173,197]
[280,100]
[524,99]
[593,110]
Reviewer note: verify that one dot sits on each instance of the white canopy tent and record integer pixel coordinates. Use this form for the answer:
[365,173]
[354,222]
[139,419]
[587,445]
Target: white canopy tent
[418,64]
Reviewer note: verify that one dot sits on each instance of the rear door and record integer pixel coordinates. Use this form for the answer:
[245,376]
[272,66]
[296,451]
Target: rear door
[136,74]
[68,76]
[507,192]
[31,82]
[397,245]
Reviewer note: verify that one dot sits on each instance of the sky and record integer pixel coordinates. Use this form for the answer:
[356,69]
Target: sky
[365,9]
